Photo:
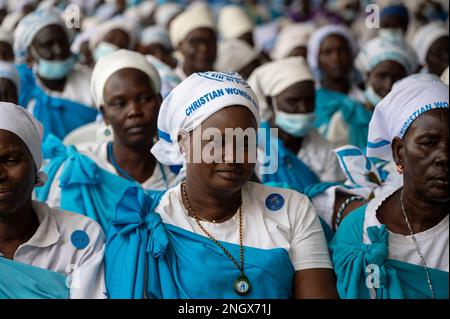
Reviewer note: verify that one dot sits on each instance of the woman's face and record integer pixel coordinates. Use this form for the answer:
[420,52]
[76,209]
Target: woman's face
[226,173]
[437,57]
[298,98]
[384,75]
[51,43]
[423,152]
[119,38]
[17,173]
[335,57]
[8,91]
[199,49]
[131,107]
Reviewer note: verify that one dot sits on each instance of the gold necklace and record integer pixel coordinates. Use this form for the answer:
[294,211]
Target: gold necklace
[242,284]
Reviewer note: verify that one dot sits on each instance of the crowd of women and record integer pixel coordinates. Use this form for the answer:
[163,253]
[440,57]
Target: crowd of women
[342,192]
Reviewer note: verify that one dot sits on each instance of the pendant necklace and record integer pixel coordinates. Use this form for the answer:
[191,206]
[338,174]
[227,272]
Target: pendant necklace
[241,286]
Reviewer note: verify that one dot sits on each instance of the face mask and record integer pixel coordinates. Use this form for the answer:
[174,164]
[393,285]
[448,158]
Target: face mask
[295,124]
[372,96]
[391,33]
[133,3]
[103,49]
[349,15]
[55,70]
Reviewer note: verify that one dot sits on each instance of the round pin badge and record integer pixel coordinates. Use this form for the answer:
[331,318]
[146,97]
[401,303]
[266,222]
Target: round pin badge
[274,202]
[79,239]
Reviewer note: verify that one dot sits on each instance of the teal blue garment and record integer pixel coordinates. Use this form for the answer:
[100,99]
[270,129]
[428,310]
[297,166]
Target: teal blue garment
[22,281]
[181,264]
[354,113]
[398,280]
[59,116]
[291,170]
[85,188]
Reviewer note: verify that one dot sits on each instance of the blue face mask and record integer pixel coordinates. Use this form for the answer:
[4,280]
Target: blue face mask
[55,70]
[372,96]
[391,33]
[133,3]
[104,48]
[295,124]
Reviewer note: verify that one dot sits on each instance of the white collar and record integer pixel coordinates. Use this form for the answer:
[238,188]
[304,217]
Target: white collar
[47,233]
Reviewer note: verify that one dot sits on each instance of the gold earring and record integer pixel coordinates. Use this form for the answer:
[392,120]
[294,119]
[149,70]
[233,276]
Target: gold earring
[400,169]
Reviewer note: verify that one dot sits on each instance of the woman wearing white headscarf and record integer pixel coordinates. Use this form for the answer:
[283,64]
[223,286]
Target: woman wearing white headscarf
[234,23]
[235,55]
[126,89]
[431,44]
[382,61]
[155,40]
[111,36]
[41,248]
[9,83]
[286,95]
[402,234]
[193,33]
[292,41]
[215,228]
[54,89]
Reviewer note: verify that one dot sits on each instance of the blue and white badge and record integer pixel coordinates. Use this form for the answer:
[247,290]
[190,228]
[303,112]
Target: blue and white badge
[79,239]
[274,202]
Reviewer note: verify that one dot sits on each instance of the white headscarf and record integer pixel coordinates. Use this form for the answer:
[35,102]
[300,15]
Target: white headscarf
[165,12]
[120,23]
[408,100]
[118,60]
[273,78]
[426,36]
[6,37]
[192,102]
[233,55]
[189,21]
[317,38]
[233,22]
[156,35]
[292,36]
[30,25]
[19,121]
[9,71]
[382,49]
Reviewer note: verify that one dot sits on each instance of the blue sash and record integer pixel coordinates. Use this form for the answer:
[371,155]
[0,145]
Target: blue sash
[59,116]
[21,281]
[354,113]
[85,188]
[180,264]
[398,280]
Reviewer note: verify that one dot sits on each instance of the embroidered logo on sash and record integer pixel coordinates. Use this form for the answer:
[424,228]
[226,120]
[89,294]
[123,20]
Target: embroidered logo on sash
[79,239]
[274,202]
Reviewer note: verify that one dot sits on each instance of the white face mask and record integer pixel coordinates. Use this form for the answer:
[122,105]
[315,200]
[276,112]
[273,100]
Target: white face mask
[372,96]
[295,124]
[104,48]
[391,33]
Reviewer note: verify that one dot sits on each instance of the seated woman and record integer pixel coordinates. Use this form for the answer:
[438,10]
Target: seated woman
[221,236]
[397,245]
[9,83]
[125,87]
[382,61]
[55,92]
[111,36]
[330,56]
[155,41]
[193,33]
[286,95]
[431,44]
[44,252]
